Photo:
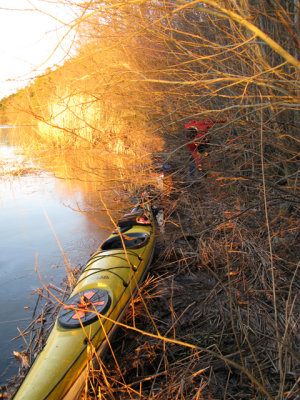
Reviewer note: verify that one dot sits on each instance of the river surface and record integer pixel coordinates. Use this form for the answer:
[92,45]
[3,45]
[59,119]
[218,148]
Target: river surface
[40,199]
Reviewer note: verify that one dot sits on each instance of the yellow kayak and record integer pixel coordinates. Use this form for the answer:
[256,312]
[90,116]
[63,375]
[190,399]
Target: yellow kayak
[104,289]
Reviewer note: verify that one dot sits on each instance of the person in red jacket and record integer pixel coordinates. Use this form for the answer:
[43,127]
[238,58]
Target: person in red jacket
[196,140]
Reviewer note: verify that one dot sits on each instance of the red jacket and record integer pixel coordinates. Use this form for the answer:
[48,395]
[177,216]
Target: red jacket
[194,131]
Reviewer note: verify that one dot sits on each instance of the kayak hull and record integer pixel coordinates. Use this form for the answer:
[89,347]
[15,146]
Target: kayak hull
[87,320]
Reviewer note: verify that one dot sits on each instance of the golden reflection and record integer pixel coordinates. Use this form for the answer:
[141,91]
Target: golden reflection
[89,173]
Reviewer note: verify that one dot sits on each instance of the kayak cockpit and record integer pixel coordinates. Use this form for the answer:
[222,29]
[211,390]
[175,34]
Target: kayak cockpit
[128,240]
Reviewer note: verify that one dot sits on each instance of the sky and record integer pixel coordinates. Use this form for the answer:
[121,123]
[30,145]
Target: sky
[28,38]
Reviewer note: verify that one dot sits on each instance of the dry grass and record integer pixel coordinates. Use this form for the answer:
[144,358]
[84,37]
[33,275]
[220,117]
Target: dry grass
[210,294]
[220,312]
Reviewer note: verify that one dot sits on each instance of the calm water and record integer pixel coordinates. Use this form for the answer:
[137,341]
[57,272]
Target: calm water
[43,197]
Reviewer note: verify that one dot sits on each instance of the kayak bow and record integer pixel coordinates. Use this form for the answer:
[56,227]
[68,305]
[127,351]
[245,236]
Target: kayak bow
[86,321]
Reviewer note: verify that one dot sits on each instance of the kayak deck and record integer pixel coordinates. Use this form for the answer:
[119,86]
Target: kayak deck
[86,321]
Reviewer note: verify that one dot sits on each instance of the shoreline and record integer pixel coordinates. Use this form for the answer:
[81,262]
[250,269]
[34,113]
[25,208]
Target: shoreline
[209,272]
